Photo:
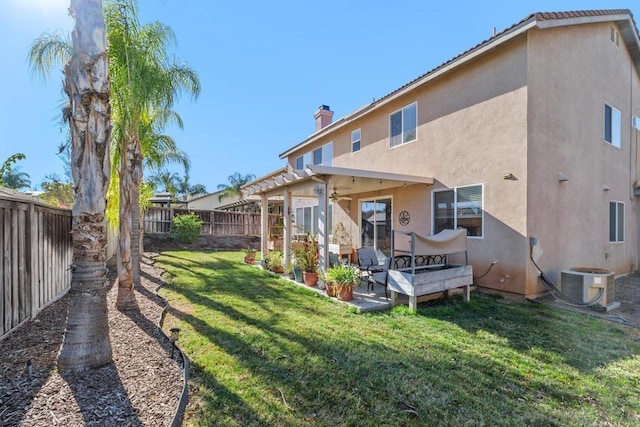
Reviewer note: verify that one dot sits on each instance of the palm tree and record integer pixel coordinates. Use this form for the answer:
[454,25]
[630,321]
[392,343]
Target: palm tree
[145,87]
[86,340]
[14,178]
[11,176]
[236,181]
[159,150]
[186,189]
[166,181]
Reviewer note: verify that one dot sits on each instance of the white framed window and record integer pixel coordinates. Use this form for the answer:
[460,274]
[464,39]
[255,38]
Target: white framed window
[355,140]
[306,219]
[612,125]
[320,156]
[327,154]
[317,156]
[459,207]
[635,122]
[403,125]
[616,221]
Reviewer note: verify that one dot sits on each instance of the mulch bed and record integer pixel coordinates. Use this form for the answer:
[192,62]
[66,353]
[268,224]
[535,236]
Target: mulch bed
[140,388]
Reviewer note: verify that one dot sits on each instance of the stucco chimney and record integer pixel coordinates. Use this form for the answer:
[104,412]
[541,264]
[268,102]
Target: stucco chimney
[323,117]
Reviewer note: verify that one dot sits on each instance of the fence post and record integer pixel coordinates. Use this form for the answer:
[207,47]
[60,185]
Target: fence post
[245,221]
[32,245]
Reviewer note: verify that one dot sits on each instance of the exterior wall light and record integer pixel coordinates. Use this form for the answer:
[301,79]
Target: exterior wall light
[562,177]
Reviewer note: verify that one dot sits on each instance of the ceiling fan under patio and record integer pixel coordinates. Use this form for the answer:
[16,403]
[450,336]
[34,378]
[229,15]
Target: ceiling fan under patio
[335,197]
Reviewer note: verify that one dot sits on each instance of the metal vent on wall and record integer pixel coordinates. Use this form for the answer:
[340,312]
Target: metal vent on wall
[614,36]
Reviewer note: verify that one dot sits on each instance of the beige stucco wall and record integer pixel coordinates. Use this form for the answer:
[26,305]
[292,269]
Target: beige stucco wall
[573,71]
[211,201]
[471,130]
[534,107]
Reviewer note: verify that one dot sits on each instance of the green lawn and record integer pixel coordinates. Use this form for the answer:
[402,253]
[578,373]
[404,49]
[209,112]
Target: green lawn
[267,352]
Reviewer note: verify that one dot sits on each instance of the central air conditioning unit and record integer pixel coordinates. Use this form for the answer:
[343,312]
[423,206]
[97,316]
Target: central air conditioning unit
[590,285]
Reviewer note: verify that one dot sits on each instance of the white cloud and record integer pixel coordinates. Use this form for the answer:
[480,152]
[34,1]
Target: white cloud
[46,14]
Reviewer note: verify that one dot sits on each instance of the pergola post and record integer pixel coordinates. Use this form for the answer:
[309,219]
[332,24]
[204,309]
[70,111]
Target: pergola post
[286,237]
[323,226]
[264,225]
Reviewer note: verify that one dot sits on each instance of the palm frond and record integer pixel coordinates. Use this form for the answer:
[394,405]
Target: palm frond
[47,51]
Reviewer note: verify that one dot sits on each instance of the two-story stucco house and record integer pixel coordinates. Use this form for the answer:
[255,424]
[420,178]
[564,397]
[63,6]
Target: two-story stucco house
[531,133]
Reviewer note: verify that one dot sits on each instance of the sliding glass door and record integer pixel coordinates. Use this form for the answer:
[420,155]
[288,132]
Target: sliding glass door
[375,224]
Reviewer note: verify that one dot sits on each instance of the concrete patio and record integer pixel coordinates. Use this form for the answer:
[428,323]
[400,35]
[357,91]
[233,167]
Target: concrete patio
[363,300]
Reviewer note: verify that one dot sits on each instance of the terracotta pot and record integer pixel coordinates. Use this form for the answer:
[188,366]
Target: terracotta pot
[331,290]
[310,279]
[344,293]
[249,258]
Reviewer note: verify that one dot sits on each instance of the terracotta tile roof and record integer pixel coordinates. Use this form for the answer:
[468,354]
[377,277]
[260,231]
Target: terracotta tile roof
[541,16]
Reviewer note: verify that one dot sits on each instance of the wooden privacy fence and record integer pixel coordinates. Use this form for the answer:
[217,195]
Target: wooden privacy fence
[220,223]
[36,254]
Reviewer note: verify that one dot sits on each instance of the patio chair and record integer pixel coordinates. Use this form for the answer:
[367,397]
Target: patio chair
[372,272]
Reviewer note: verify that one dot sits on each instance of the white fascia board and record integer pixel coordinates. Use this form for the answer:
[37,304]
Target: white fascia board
[551,23]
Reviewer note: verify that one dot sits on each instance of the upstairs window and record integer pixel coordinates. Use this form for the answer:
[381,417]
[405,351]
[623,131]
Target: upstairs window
[355,140]
[612,125]
[616,222]
[459,207]
[319,156]
[327,154]
[403,125]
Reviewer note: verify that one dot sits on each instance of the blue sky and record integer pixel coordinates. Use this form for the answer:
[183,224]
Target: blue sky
[265,67]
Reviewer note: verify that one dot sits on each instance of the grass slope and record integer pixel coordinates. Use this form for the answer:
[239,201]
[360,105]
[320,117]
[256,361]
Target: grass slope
[267,352]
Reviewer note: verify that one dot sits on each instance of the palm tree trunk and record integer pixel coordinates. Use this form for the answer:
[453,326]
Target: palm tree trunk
[126,299]
[86,341]
[135,211]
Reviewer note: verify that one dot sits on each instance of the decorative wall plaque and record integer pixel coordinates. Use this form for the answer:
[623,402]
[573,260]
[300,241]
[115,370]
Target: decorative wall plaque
[404,218]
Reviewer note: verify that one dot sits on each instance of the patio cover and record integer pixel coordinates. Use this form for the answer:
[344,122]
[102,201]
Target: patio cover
[347,180]
[318,181]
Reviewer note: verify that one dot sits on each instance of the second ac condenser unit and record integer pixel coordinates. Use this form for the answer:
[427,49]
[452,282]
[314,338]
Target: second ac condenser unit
[589,285]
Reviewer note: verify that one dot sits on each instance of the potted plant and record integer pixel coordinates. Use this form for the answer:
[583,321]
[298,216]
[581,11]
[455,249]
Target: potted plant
[344,278]
[288,271]
[297,262]
[309,261]
[249,255]
[329,283]
[273,262]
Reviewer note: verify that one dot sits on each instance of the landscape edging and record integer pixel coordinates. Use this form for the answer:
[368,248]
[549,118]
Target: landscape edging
[184,396]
